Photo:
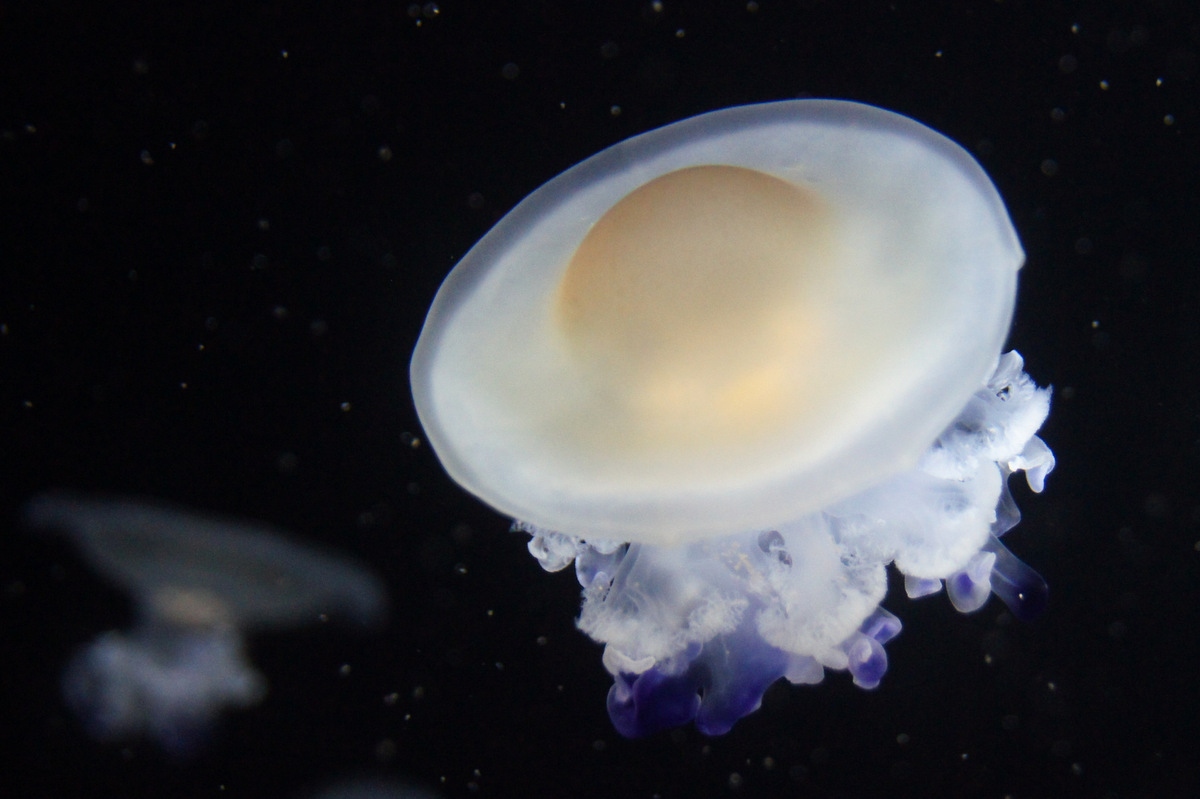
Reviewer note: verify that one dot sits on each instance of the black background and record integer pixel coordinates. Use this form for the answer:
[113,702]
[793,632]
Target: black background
[221,225]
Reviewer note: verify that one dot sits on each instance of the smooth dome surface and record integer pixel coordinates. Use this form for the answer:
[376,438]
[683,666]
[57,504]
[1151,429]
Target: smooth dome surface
[719,325]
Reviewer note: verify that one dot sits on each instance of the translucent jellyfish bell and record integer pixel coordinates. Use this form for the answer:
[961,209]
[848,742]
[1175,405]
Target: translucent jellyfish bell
[729,321]
[763,346]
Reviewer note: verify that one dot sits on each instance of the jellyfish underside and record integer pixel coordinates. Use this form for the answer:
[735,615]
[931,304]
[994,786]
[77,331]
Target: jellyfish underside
[733,369]
[200,585]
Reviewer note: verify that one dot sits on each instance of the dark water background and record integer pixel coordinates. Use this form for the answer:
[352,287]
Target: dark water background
[223,223]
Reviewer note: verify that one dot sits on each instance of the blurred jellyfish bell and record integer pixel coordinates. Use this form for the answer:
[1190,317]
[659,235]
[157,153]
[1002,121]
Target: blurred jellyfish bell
[732,368]
[200,586]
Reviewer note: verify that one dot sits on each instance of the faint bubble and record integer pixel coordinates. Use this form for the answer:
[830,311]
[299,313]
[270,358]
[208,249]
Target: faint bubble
[474,201]
[1057,114]
[318,327]
[284,148]
[140,66]
[1083,245]
[324,253]
[1157,505]
[279,312]
[430,10]
[264,224]
[1132,267]
[752,7]
[344,407]
[385,751]
[82,204]
[1068,64]
[610,49]
[384,153]
[510,71]
[287,462]
[462,534]
[735,781]
[1169,119]
[615,110]
[259,261]
[1049,167]
[147,159]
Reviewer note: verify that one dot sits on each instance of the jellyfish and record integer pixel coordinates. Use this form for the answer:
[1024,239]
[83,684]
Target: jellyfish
[732,369]
[200,586]
[373,788]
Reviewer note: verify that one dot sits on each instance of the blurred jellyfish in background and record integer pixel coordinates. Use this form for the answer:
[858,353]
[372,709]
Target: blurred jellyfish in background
[373,788]
[731,369]
[200,585]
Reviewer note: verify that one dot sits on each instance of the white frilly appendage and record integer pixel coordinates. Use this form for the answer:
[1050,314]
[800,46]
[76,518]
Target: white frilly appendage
[700,631]
[163,681]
